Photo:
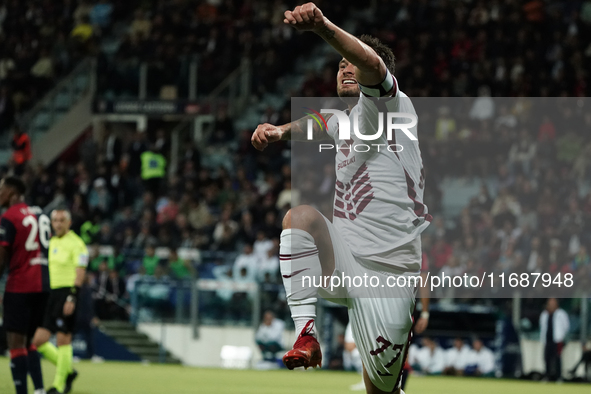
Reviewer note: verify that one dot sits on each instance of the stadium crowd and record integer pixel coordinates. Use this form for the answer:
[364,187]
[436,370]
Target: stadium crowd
[459,360]
[167,36]
[442,48]
[533,216]
[453,49]
[40,42]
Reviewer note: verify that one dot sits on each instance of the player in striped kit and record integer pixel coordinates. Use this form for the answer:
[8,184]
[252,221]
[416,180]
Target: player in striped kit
[378,213]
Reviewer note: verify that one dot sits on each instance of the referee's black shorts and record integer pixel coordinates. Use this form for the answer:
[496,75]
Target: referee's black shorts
[24,312]
[54,320]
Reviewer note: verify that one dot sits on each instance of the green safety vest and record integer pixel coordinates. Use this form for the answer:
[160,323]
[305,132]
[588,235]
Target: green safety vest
[153,165]
[88,230]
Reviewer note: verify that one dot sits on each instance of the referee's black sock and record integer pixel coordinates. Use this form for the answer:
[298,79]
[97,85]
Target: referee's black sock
[18,366]
[35,367]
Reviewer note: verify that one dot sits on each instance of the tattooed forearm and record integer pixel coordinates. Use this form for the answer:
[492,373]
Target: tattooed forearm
[298,129]
[326,33]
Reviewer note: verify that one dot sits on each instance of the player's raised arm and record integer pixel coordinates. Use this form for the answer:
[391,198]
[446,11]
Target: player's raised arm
[370,69]
[297,130]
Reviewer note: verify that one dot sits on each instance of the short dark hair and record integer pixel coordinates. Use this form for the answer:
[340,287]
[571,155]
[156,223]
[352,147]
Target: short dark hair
[16,183]
[383,51]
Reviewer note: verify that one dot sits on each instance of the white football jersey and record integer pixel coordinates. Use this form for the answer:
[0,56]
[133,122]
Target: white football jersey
[378,203]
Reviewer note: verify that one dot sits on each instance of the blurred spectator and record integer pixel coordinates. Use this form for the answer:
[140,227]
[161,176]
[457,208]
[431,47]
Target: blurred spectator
[115,294]
[83,30]
[95,259]
[288,198]
[554,327]
[429,359]
[99,197]
[547,130]
[112,148]
[522,153]
[441,252]
[270,264]
[141,24]
[82,10]
[224,233]
[223,273]
[167,209]
[262,245]
[42,70]
[481,360]
[191,155]
[100,14]
[581,259]
[136,147]
[144,237]
[90,229]
[445,126]
[86,318]
[109,291]
[457,358]
[153,169]
[21,150]
[484,106]
[269,336]
[246,260]
[180,268]
[100,290]
[150,260]
[42,190]
[234,304]
[133,279]
[161,145]
[246,232]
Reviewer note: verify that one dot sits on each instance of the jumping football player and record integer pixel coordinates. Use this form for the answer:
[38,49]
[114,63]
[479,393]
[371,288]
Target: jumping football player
[24,238]
[378,212]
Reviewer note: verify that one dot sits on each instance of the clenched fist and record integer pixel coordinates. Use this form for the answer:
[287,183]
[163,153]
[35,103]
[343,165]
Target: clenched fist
[264,135]
[307,17]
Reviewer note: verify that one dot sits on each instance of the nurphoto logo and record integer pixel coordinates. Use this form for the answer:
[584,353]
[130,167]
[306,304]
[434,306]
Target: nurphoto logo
[345,125]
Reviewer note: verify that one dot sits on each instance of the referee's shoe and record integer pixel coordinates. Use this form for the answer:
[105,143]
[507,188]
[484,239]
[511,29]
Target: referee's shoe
[69,380]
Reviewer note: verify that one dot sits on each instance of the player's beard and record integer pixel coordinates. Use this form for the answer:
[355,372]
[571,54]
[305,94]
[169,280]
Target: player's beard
[349,96]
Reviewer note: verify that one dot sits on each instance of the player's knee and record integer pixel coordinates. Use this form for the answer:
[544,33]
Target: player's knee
[286,223]
[41,336]
[63,339]
[302,217]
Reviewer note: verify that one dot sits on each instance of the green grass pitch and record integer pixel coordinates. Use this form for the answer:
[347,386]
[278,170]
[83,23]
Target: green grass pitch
[135,378]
